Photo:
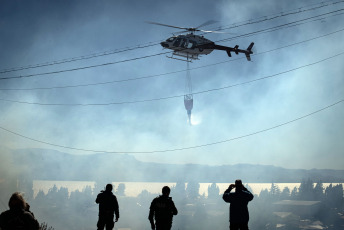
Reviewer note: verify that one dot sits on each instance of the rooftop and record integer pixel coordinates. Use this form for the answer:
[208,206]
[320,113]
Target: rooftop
[297,202]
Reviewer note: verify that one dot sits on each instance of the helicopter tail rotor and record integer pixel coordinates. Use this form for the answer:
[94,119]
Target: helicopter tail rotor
[249,48]
[249,51]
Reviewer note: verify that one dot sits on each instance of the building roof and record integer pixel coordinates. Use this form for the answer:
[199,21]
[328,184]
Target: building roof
[297,202]
[283,214]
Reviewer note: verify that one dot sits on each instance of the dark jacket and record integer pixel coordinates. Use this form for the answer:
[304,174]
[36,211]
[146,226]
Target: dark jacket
[108,204]
[162,209]
[18,219]
[238,211]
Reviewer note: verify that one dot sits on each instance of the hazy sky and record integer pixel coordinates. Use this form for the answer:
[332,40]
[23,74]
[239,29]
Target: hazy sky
[38,32]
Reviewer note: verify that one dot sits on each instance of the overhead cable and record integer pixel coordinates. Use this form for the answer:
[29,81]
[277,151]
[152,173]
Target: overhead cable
[158,54]
[77,58]
[272,29]
[163,74]
[82,68]
[279,15]
[181,148]
[150,44]
[280,26]
[175,96]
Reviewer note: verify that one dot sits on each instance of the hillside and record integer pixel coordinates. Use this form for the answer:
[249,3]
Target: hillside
[44,164]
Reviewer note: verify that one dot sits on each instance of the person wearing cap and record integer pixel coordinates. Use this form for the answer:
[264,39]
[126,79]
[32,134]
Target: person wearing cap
[162,210]
[238,210]
[108,206]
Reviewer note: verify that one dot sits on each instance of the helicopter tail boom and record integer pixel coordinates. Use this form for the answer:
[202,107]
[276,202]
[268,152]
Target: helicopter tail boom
[236,50]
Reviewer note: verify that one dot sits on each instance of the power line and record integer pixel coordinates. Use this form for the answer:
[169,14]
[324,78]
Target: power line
[281,14]
[77,58]
[158,54]
[272,29]
[169,73]
[270,76]
[182,148]
[176,96]
[150,44]
[279,26]
[82,68]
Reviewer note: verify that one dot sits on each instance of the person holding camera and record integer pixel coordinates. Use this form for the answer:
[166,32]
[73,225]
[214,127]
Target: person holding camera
[238,211]
[162,210]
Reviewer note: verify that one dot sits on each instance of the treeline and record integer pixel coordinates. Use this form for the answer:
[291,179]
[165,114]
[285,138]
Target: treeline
[78,210]
[308,191]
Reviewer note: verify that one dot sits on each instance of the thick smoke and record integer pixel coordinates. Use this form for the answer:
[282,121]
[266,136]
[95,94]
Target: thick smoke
[37,32]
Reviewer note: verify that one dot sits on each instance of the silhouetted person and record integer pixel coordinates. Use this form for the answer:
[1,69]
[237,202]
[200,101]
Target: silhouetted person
[19,216]
[238,211]
[162,210]
[108,206]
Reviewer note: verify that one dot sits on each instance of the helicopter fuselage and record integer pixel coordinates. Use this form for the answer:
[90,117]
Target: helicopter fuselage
[189,44]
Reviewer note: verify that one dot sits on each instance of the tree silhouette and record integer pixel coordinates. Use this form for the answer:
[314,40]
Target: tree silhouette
[306,190]
[294,194]
[51,196]
[192,190]
[264,195]
[318,191]
[285,194]
[62,196]
[99,186]
[213,191]
[120,190]
[40,198]
[275,192]
[178,192]
[334,196]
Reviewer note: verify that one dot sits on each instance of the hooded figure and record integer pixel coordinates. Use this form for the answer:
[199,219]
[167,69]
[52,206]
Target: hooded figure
[19,216]
[238,211]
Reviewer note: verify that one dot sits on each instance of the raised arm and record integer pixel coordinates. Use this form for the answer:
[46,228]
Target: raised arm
[227,196]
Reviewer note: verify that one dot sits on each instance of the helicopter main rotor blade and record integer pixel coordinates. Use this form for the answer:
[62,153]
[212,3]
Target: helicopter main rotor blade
[209,31]
[192,29]
[181,32]
[206,23]
[160,24]
[216,32]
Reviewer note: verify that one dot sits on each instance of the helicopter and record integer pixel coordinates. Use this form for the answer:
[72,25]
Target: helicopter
[191,46]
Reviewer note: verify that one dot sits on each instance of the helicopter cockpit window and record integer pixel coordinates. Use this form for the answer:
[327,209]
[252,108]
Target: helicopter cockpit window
[171,39]
[177,42]
[191,45]
[184,43]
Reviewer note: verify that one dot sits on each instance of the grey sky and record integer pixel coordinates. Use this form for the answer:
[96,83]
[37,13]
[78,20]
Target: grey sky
[35,32]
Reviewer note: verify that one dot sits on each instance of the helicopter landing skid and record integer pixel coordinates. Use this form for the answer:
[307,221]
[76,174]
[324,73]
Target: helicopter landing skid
[188,57]
[180,59]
